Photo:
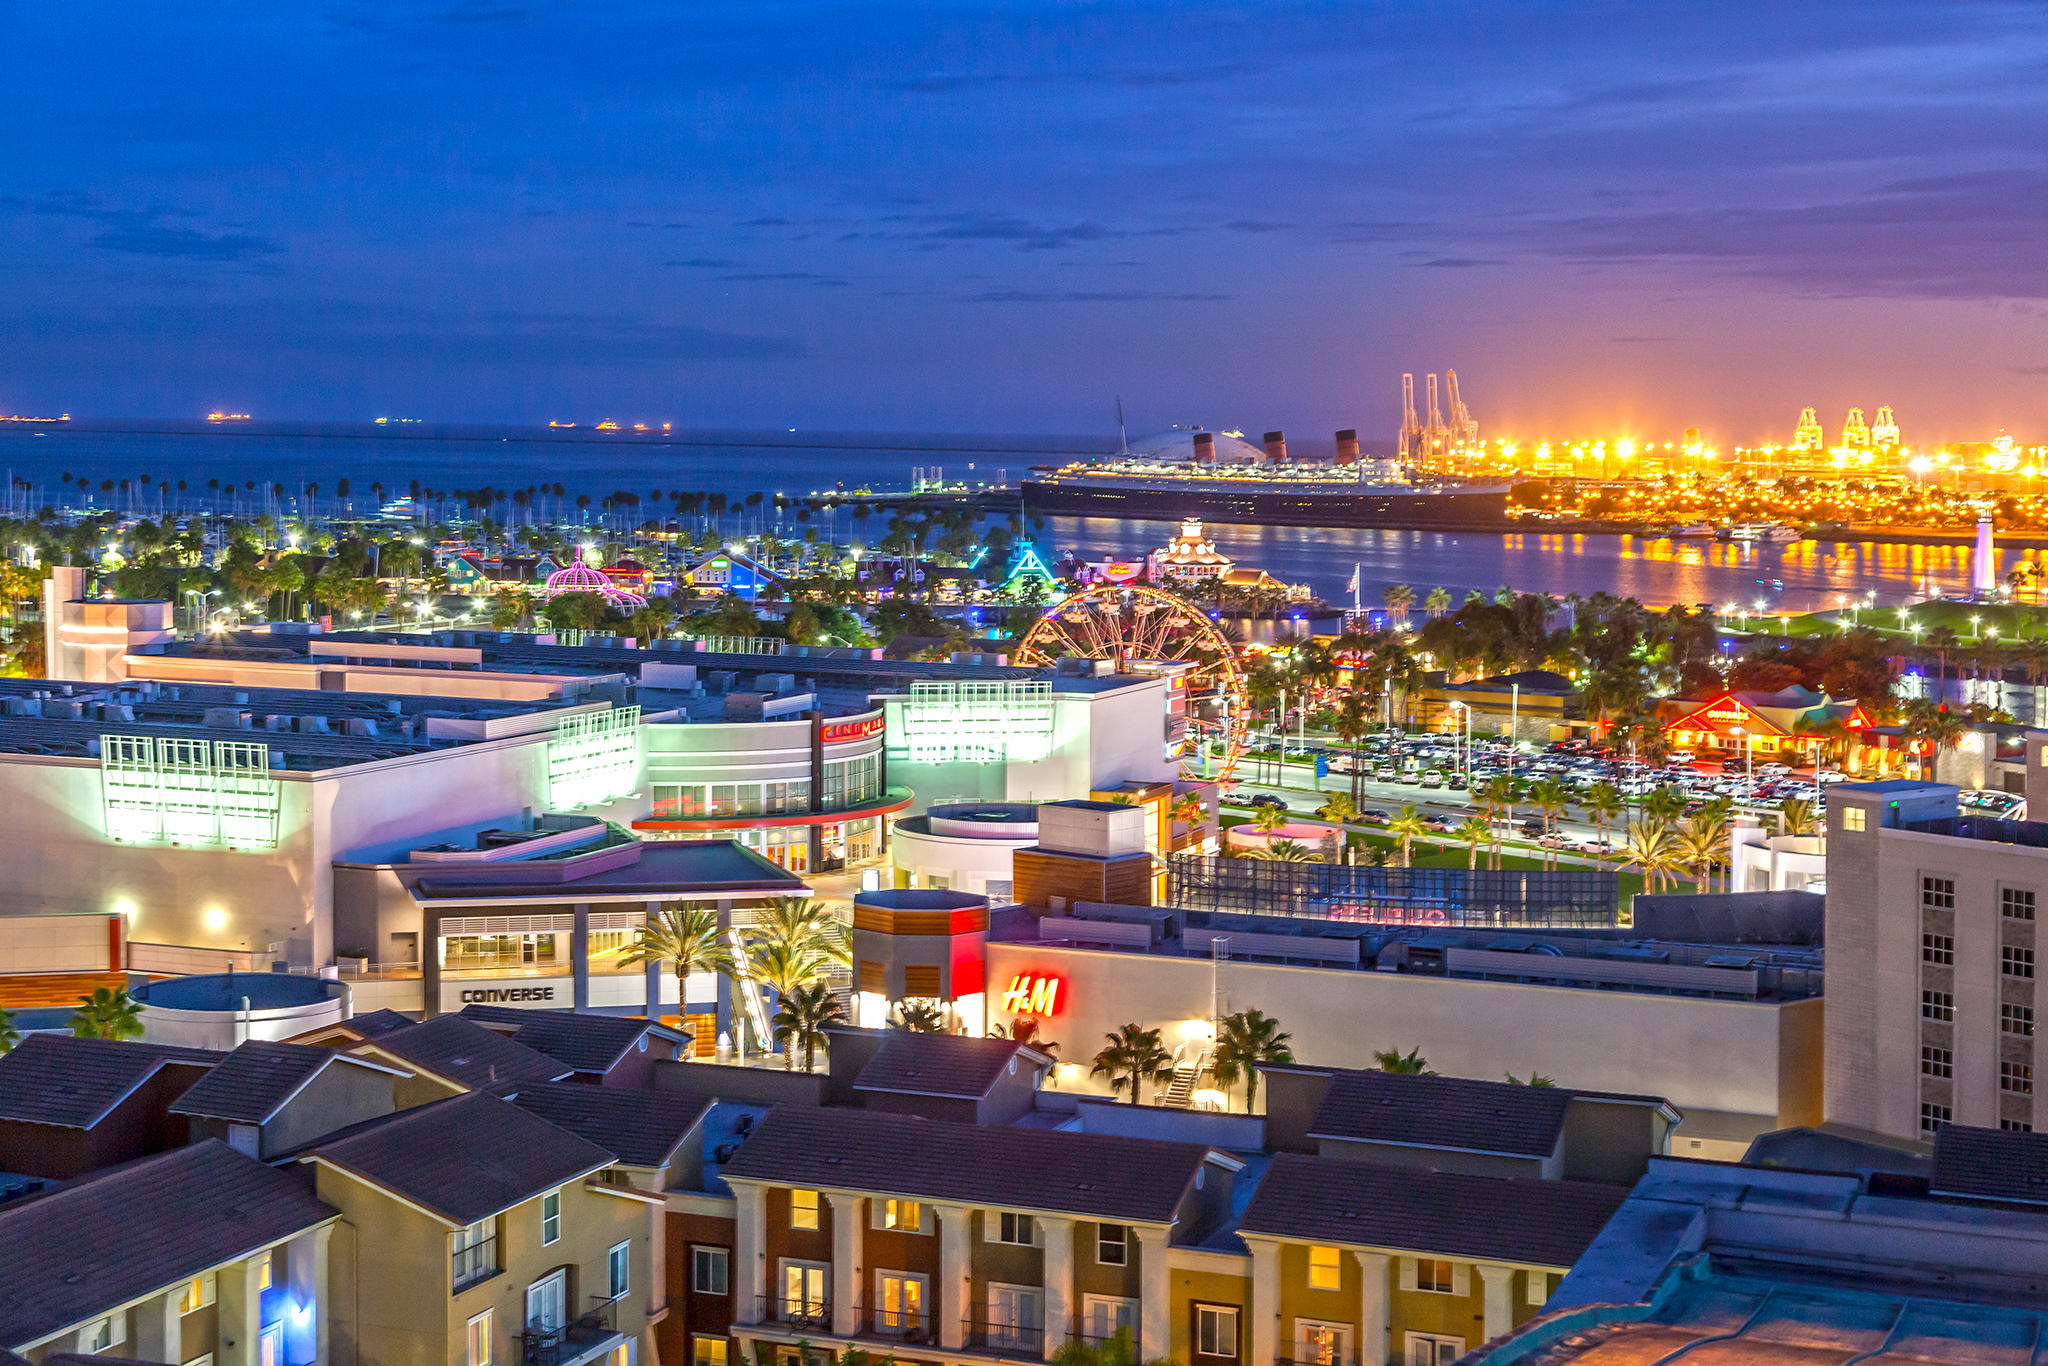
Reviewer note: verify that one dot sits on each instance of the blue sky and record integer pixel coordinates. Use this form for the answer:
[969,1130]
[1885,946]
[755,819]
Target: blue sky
[1001,217]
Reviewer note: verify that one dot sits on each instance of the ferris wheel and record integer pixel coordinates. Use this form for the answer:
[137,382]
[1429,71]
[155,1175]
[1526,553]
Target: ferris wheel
[1134,626]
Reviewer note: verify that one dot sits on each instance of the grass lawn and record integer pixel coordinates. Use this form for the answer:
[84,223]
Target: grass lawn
[2012,621]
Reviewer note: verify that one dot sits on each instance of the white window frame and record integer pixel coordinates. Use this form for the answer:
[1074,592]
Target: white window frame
[470,1338]
[618,1269]
[207,1283]
[551,1223]
[1013,1335]
[1434,1341]
[924,1301]
[817,1209]
[787,1308]
[722,1257]
[104,1335]
[1336,1269]
[1303,1327]
[556,1282]
[1219,1313]
[1009,1222]
[887,1214]
[1122,1243]
[1117,1311]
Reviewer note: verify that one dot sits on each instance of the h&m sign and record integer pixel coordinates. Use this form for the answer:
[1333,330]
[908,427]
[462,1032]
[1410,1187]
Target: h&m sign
[1032,994]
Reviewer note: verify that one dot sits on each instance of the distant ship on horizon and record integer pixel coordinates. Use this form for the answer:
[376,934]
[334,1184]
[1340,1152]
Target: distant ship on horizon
[229,417]
[24,417]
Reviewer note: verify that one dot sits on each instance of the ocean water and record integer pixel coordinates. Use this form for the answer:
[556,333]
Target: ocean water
[1801,575]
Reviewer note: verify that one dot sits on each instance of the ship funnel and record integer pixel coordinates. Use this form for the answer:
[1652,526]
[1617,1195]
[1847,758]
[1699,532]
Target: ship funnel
[1347,446]
[1276,447]
[1205,448]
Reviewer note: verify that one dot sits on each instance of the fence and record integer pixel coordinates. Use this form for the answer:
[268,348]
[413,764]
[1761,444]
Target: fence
[1450,897]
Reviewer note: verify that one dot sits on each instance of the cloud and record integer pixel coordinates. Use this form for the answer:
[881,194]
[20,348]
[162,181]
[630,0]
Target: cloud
[1461,262]
[786,276]
[1091,296]
[188,244]
[1255,225]
[2028,369]
[1639,341]
[707,263]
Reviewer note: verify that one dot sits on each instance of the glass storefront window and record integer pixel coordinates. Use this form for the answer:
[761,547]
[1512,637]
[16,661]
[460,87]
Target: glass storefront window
[498,951]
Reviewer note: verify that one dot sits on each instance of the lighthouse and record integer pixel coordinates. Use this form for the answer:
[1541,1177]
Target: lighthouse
[1984,562]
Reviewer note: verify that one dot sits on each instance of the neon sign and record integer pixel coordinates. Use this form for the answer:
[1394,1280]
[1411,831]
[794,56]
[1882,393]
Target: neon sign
[1030,994]
[835,731]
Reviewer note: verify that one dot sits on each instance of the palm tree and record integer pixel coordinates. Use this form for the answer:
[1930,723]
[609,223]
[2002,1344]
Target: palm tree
[1796,816]
[802,923]
[688,939]
[1338,809]
[1132,1054]
[919,1017]
[1267,819]
[1249,1040]
[786,968]
[1353,724]
[1399,598]
[1474,832]
[1535,1079]
[800,1020]
[1188,810]
[1287,851]
[1411,1063]
[1603,802]
[1497,795]
[1551,799]
[1437,602]
[108,1013]
[1406,827]
[1699,848]
[1651,847]
[9,1035]
[1665,804]
[1024,1030]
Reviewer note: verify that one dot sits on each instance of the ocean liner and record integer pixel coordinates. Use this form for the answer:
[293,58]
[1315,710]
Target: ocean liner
[1219,477]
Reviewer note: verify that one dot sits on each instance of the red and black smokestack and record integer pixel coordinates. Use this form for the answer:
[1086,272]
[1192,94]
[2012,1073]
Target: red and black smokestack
[1276,447]
[1205,448]
[1347,446]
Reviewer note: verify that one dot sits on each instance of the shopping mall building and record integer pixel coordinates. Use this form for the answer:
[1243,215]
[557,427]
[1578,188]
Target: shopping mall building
[434,810]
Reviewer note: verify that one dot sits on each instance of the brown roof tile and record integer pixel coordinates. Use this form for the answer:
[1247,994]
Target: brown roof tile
[1456,1214]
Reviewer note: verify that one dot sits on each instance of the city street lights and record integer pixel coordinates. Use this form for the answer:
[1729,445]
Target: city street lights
[1464,740]
[1748,754]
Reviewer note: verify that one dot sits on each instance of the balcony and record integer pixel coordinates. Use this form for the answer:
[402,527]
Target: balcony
[801,1313]
[472,1263]
[997,1339]
[590,1335]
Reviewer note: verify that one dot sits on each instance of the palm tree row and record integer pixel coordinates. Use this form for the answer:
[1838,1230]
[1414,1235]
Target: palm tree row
[792,944]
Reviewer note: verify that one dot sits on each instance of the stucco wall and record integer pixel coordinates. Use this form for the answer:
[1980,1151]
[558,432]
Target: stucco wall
[1714,1055]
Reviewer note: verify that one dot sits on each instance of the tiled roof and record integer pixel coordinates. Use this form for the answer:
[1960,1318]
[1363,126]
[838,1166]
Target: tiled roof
[1456,1214]
[255,1080]
[578,1039]
[1457,1113]
[116,1235]
[72,1083]
[377,1022]
[1990,1164]
[936,1064]
[465,1158]
[464,1051]
[644,1128]
[1092,1175]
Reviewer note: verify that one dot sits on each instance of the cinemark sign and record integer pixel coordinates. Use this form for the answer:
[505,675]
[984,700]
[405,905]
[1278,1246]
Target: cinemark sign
[836,731]
[1032,995]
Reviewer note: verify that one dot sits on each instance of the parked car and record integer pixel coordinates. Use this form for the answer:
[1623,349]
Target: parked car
[1268,799]
[1432,778]
[1373,815]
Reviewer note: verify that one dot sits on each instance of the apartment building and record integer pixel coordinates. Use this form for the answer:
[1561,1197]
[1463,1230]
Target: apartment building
[1361,1262]
[199,1256]
[1931,972]
[480,1234]
[939,1241]
[70,1106]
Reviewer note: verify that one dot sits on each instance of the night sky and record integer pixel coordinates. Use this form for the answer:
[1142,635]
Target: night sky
[986,217]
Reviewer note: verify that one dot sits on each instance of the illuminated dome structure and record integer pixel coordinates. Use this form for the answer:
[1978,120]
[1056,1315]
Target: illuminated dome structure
[580,577]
